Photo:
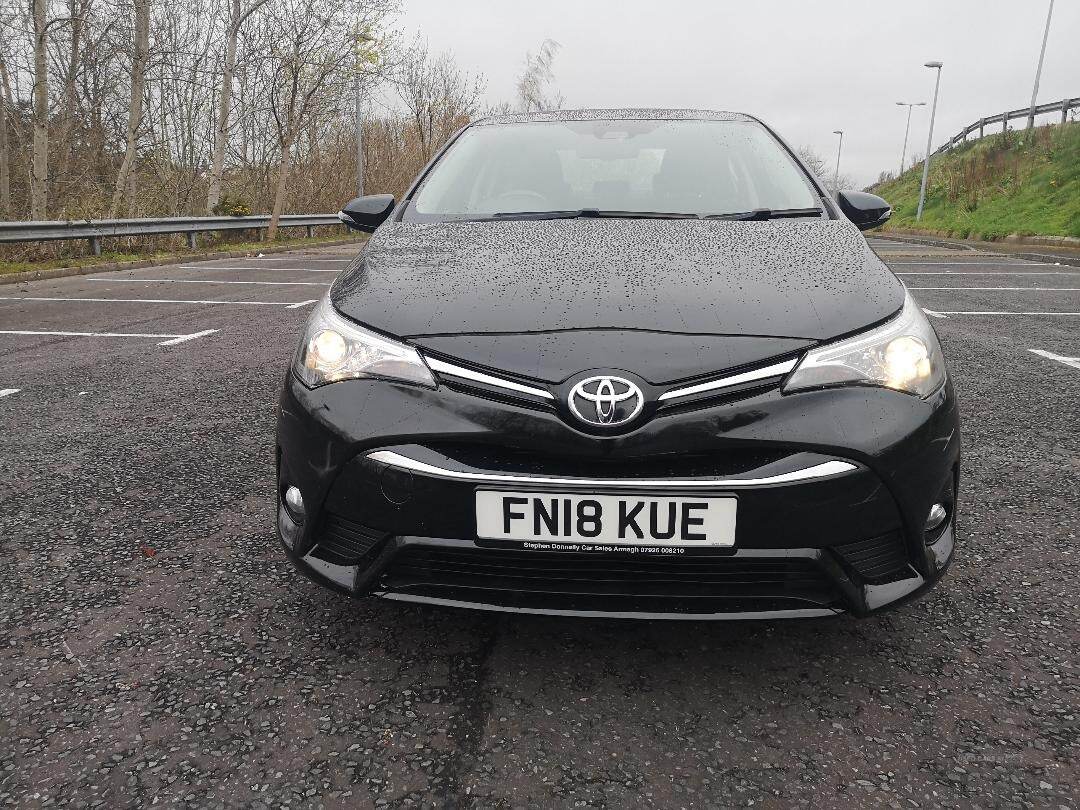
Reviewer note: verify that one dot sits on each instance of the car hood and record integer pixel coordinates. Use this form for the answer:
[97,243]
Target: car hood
[667,299]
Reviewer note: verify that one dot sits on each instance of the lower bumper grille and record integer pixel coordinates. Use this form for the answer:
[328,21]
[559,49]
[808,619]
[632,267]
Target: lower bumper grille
[609,582]
[344,542]
[878,559]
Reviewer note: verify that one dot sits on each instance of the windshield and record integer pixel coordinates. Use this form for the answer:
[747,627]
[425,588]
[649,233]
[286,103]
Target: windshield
[697,168]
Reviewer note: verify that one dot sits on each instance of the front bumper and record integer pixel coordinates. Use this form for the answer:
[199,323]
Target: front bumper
[388,474]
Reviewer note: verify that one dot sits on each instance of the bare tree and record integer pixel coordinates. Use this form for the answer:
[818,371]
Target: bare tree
[77,14]
[823,171]
[124,192]
[100,97]
[39,180]
[5,146]
[179,116]
[237,17]
[437,95]
[813,161]
[313,50]
[535,89]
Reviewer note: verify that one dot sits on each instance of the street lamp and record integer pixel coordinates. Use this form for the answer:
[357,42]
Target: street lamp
[836,177]
[359,123]
[903,152]
[1038,70]
[362,39]
[929,140]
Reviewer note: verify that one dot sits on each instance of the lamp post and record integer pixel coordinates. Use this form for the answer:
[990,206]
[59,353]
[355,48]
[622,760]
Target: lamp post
[836,177]
[1038,70]
[903,152]
[929,140]
[359,135]
[363,39]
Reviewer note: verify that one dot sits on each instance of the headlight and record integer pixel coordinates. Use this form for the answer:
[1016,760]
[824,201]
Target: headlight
[903,354]
[334,349]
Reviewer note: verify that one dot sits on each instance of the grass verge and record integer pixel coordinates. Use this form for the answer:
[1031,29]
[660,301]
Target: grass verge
[114,257]
[1019,182]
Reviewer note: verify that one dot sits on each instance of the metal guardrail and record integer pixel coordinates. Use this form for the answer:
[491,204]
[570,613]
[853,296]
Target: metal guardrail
[97,229]
[1063,106]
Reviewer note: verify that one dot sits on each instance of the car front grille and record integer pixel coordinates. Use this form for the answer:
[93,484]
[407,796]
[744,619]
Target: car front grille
[535,461]
[609,581]
[342,541]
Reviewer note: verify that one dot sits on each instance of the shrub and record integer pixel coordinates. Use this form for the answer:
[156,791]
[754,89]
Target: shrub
[230,206]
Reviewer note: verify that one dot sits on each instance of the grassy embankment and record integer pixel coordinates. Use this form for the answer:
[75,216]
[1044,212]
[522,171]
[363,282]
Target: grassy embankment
[1017,182]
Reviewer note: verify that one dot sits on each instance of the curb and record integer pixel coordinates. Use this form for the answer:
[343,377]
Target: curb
[980,247]
[1066,242]
[927,241]
[90,269]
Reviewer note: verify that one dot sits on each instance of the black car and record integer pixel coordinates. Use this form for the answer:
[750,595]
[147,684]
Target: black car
[620,363]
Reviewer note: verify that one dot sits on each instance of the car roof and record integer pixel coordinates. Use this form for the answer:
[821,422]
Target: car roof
[628,114]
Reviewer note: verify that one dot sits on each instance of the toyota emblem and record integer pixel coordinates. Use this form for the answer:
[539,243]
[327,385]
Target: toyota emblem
[605,401]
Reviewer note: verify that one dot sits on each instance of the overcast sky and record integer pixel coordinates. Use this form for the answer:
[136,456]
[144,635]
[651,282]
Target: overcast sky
[806,68]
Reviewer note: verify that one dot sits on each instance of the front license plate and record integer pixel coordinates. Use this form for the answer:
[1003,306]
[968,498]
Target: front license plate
[605,519]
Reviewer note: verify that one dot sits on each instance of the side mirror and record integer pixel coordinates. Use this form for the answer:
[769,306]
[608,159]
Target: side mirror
[865,211]
[367,213]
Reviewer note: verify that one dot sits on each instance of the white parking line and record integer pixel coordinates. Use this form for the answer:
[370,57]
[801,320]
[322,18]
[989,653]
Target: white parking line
[4,392]
[981,312]
[976,263]
[272,259]
[172,340]
[286,304]
[185,338]
[995,273]
[212,281]
[1069,361]
[282,269]
[1001,289]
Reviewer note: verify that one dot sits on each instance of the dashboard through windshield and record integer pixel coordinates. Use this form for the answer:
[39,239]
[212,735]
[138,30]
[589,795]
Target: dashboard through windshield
[695,168]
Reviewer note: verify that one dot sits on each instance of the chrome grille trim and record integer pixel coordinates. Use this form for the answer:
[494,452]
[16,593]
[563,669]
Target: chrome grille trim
[775,370]
[796,613]
[825,469]
[476,376]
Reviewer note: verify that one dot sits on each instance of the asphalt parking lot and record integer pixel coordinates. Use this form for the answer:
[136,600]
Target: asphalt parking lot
[156,648]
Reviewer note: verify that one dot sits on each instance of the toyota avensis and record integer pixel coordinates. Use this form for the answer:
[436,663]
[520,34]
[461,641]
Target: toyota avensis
[620,363]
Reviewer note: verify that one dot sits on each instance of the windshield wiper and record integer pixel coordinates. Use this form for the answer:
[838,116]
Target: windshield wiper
[591,213]
[760,214]
[757,214]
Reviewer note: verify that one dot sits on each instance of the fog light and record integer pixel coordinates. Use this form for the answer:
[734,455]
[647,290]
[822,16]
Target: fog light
[937,516]
[290,531]
[294,502]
